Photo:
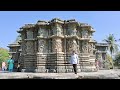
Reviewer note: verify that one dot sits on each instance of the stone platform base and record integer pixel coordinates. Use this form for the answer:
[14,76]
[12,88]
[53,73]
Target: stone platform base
[58,70]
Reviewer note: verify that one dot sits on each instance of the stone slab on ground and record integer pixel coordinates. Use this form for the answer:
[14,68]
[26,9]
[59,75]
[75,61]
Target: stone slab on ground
[101,74]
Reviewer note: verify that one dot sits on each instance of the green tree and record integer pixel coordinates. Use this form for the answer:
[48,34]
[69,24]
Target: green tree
[4,55]
[113,47]
[109,60]
[117,59]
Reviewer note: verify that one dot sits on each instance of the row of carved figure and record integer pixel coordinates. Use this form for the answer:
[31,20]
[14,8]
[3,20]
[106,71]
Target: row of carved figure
[42,46]
[58,32]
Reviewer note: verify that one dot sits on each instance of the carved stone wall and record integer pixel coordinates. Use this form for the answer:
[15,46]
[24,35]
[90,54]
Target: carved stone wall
[56,45]
[29,34]
[42,32]
[23,47]
[72,30]
[42,46]
[41,41]
[69,45]
[91,48]
[57,29]
[30,47]
[84,33]
[84,47]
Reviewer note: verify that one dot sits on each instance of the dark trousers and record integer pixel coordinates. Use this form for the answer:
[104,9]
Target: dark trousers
[75,68]
[18,70]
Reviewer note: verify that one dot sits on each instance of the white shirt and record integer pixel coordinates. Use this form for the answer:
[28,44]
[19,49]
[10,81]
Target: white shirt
[74,59]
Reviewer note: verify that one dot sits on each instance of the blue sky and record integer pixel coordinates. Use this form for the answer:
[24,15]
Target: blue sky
[104,22]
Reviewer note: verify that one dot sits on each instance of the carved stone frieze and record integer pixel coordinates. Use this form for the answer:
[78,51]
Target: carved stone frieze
[30,47]
[41,45]
[84,34]
[91,48]
[29,34]
[57,45]
[84,47]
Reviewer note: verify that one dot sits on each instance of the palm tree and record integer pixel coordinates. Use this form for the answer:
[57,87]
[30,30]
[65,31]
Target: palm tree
[113,47]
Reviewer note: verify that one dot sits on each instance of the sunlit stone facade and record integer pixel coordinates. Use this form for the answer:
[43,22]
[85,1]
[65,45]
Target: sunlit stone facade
[46,46]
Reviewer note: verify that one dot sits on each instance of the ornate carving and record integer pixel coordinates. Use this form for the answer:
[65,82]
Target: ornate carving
[84,47]
[69,44]
[24,47]
[29,35]
[41,45]
[57,30]
[91,48]
[74,32]
[35,45]
[84,34]
[42,32]
[72,45]
[29,47]
[57,45]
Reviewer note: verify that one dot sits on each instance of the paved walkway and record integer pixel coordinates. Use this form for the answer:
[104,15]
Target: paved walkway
[101,74]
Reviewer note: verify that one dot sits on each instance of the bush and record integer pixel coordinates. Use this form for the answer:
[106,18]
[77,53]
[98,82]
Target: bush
[4,55]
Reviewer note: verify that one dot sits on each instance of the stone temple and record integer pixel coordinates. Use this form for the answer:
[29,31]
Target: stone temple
[47,45]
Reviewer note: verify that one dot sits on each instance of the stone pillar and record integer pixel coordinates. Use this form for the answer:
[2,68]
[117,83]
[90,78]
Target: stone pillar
[30,57]
[100,60]
[90,48]
[29,34]
[42,46]
[87,58]
[84,46]
[57,45]
[41,55]
[29,45]
[84,33]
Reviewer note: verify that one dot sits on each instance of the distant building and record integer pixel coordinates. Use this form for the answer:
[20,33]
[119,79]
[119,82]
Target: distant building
[15,50]
[101,53]
[46,46]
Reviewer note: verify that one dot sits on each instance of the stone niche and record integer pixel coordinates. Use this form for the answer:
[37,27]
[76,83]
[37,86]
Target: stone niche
[42,32]
[84,47]
[42,46]
[72,45]
[84,33]
[30,47]
[57,29]
[29,34]
[72,29]
[91,48]
[57,45]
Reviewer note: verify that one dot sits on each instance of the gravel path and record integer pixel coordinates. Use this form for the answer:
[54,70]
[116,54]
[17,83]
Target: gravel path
[101,74]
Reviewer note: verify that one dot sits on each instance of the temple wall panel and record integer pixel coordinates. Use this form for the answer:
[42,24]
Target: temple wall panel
[57,45]
[29,34]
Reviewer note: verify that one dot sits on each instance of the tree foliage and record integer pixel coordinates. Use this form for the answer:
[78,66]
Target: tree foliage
[117,59]
[108,61]
[113,47]
[3,55]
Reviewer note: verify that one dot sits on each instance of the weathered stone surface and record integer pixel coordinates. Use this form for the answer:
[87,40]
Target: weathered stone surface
[51,44]
[101,74]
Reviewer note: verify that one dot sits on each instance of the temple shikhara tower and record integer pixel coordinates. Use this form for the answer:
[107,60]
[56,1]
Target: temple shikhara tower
[47,46]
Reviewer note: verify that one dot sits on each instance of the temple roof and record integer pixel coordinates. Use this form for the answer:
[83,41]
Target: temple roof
[94,41]
[16,42]
[28,25]
[102,44]
[41,22]
[17,39]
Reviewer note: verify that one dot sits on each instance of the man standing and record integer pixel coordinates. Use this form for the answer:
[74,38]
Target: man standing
[74,60]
